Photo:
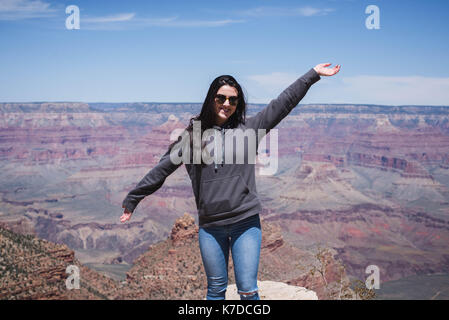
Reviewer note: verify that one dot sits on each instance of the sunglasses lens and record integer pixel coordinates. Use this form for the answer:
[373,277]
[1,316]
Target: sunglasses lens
[221,99]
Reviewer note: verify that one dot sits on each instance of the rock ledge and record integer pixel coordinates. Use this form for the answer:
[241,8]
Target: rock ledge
[272,290]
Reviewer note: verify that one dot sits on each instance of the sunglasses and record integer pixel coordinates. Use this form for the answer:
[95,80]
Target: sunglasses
[221,99]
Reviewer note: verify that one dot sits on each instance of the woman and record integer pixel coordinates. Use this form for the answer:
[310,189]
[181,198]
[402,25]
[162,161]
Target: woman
[225,193]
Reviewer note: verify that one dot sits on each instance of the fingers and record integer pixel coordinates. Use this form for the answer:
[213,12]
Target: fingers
[328,64]
[335,69]
[322,70]
[329,71]
[125,217]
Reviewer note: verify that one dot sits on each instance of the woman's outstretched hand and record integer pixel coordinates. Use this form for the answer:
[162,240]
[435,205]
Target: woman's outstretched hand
[323,71]
[126,215]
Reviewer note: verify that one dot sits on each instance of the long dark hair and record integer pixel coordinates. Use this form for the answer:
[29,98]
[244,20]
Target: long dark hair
[207,115]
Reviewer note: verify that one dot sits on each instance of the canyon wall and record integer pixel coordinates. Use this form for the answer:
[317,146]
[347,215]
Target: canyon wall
[370,182]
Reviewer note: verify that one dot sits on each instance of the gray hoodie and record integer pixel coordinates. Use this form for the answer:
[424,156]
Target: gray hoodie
[226,193]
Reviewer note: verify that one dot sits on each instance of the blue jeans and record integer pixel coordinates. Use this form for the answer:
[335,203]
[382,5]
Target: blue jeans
[244,238]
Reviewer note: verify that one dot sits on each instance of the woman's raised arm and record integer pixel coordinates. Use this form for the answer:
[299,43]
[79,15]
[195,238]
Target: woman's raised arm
[280,107]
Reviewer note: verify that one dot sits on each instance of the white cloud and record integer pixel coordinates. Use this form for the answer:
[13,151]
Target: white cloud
[106,19]
[362,89]
[129,20]
[309,11]
[306,11]
[175,22]
[24,9]
[391,90]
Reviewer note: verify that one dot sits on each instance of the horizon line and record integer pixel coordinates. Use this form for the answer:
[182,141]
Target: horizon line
[248,103]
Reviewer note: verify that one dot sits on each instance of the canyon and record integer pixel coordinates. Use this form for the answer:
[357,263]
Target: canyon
[33,268]
[370,182]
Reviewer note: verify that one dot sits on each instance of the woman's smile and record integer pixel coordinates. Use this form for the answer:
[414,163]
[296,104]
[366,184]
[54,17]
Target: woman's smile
[225,110]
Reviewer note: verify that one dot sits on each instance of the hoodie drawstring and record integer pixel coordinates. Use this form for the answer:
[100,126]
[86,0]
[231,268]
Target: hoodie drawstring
[222,149]
[215,153]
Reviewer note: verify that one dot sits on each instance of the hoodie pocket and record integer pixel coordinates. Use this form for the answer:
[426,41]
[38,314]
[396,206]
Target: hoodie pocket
[222,195]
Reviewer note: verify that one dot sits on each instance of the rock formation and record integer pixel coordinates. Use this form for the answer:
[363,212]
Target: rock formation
[271,290]
[173,269]
[32,268]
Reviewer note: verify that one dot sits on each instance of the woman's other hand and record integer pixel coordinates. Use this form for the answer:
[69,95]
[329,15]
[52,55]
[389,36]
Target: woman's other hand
[323,71]
[126,215]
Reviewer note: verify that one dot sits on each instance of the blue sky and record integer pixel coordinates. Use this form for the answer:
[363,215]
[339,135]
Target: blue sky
[170,51]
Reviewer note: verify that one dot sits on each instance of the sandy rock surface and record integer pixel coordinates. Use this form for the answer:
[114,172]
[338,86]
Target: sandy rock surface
[272,290]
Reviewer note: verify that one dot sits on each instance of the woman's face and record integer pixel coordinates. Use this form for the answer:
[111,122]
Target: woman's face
[225,110]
